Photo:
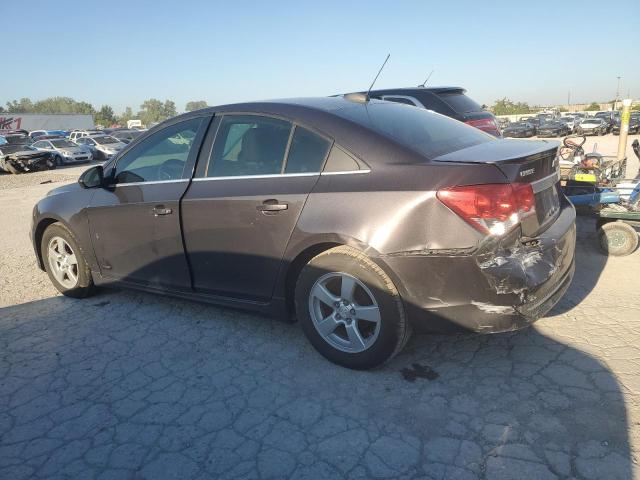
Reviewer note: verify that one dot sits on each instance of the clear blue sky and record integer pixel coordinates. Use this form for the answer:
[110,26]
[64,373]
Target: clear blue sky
[120,52]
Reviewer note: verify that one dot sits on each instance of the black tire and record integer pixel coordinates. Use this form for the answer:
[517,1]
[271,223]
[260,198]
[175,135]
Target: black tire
[59,161]
[84,286]
[617,239]
[51,163]
[394,330]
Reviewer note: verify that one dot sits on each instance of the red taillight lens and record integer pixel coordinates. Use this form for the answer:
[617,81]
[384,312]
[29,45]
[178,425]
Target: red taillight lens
[484,124]
[492,208]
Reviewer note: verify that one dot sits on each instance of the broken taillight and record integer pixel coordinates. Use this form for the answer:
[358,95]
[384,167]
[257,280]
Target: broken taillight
[491,208]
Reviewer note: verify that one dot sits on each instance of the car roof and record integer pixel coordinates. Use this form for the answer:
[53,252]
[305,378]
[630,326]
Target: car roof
[317,113]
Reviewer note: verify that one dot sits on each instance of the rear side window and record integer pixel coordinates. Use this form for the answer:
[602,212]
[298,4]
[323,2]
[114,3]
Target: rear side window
[425,132]
[460,102]
[406,101]
[307,152]
[249,145]
[340,161]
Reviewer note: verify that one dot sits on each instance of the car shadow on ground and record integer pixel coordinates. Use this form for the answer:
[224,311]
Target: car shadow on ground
[137,385]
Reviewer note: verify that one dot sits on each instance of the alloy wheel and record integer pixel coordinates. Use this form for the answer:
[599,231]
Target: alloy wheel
[344,312]
[63,262]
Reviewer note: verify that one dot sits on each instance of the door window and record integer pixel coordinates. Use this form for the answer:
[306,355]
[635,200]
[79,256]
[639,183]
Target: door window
[249,145]
[307,152]
[160,157]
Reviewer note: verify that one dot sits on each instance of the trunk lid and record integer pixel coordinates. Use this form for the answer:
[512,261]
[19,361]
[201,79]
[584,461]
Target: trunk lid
[533,162]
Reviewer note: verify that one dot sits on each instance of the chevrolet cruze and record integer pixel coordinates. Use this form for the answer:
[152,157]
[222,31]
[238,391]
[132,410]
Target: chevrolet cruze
[360,218]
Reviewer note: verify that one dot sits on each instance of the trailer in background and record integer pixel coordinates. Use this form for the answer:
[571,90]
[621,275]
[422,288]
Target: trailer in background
[35,121]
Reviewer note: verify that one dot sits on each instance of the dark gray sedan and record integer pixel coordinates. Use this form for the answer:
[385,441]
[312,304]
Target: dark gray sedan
[360,218]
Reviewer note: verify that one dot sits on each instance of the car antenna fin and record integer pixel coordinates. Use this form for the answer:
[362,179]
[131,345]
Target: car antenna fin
[427,79]
[379,72]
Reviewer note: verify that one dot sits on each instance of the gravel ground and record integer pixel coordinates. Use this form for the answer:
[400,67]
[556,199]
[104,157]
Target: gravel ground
[132,385]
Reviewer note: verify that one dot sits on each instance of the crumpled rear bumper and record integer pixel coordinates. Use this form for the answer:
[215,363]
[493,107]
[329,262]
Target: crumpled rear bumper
[503,286]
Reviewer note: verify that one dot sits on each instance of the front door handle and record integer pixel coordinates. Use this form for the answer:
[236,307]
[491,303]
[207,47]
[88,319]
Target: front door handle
[272,205]
[161,210]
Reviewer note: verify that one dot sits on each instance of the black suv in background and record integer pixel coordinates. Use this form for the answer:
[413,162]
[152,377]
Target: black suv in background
[449,101]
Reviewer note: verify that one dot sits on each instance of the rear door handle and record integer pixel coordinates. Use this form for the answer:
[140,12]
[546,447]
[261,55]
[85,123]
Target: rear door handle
[161,210]
[272,205]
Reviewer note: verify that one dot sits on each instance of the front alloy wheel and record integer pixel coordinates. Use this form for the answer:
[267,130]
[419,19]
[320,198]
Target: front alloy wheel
[64,262]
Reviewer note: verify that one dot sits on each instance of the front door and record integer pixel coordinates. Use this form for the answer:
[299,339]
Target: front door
[243,205]
[135,223]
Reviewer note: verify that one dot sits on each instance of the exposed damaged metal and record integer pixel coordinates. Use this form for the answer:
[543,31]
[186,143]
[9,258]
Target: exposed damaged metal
[23,159]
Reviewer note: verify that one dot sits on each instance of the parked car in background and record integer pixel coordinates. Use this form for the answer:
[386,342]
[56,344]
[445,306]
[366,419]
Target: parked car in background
[76,134]
[503,123]
[634,124]
[609,118]
[553,128]
[15,137]
[593,126]
[570,122]
[64,151]
[361,216]
[449,101]
[102,147]
[519,129]
[127,136]
[535,121]
[22,158]
[36,133]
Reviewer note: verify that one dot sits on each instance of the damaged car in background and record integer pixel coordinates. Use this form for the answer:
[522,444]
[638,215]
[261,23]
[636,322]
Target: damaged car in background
[361,218]
[21,158]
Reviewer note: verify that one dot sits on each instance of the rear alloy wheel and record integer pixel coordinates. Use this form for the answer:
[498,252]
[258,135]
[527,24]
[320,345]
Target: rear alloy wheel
[350,310]
[51,163]
[65,263]
[617,238]
[59,161]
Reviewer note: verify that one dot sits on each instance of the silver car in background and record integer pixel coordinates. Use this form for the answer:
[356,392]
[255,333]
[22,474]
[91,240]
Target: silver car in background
[103,147]
[65,151]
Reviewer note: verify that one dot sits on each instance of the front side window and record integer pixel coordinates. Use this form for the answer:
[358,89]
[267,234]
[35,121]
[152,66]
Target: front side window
[162,156]
[248,145]
[307,152]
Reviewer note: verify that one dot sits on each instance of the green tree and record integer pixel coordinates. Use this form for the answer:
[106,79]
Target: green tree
[24,105]
[505,106]
[593,107]
[126,116]
[105,116]
[169,109]
[563,109]
[635,107]
[153,110]
[195,105]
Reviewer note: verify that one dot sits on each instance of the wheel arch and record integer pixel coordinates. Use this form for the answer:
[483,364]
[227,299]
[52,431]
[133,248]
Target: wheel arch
[38,233]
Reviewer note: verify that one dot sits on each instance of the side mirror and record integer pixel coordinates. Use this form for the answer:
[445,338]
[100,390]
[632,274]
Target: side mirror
[92,178]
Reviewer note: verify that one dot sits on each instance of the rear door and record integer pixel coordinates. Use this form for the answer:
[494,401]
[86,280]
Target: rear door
[135,223]
[243,205]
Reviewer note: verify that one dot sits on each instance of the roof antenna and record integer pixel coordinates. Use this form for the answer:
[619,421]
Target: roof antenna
[425,82]
[364,98]
[379,72]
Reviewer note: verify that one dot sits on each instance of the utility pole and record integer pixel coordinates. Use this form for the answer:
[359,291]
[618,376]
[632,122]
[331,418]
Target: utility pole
[615,102]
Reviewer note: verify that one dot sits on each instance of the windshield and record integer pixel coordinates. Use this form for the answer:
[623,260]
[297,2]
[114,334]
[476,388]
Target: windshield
[425,132]
[460,102]
[63,143]
[105,140]
[8,148]
[17,139]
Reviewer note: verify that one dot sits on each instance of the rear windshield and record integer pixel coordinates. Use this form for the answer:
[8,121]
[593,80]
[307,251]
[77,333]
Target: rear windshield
[62,143]
[425,132]
[460,102]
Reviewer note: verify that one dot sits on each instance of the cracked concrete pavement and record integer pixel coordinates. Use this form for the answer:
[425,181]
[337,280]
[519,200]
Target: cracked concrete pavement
[132,385]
